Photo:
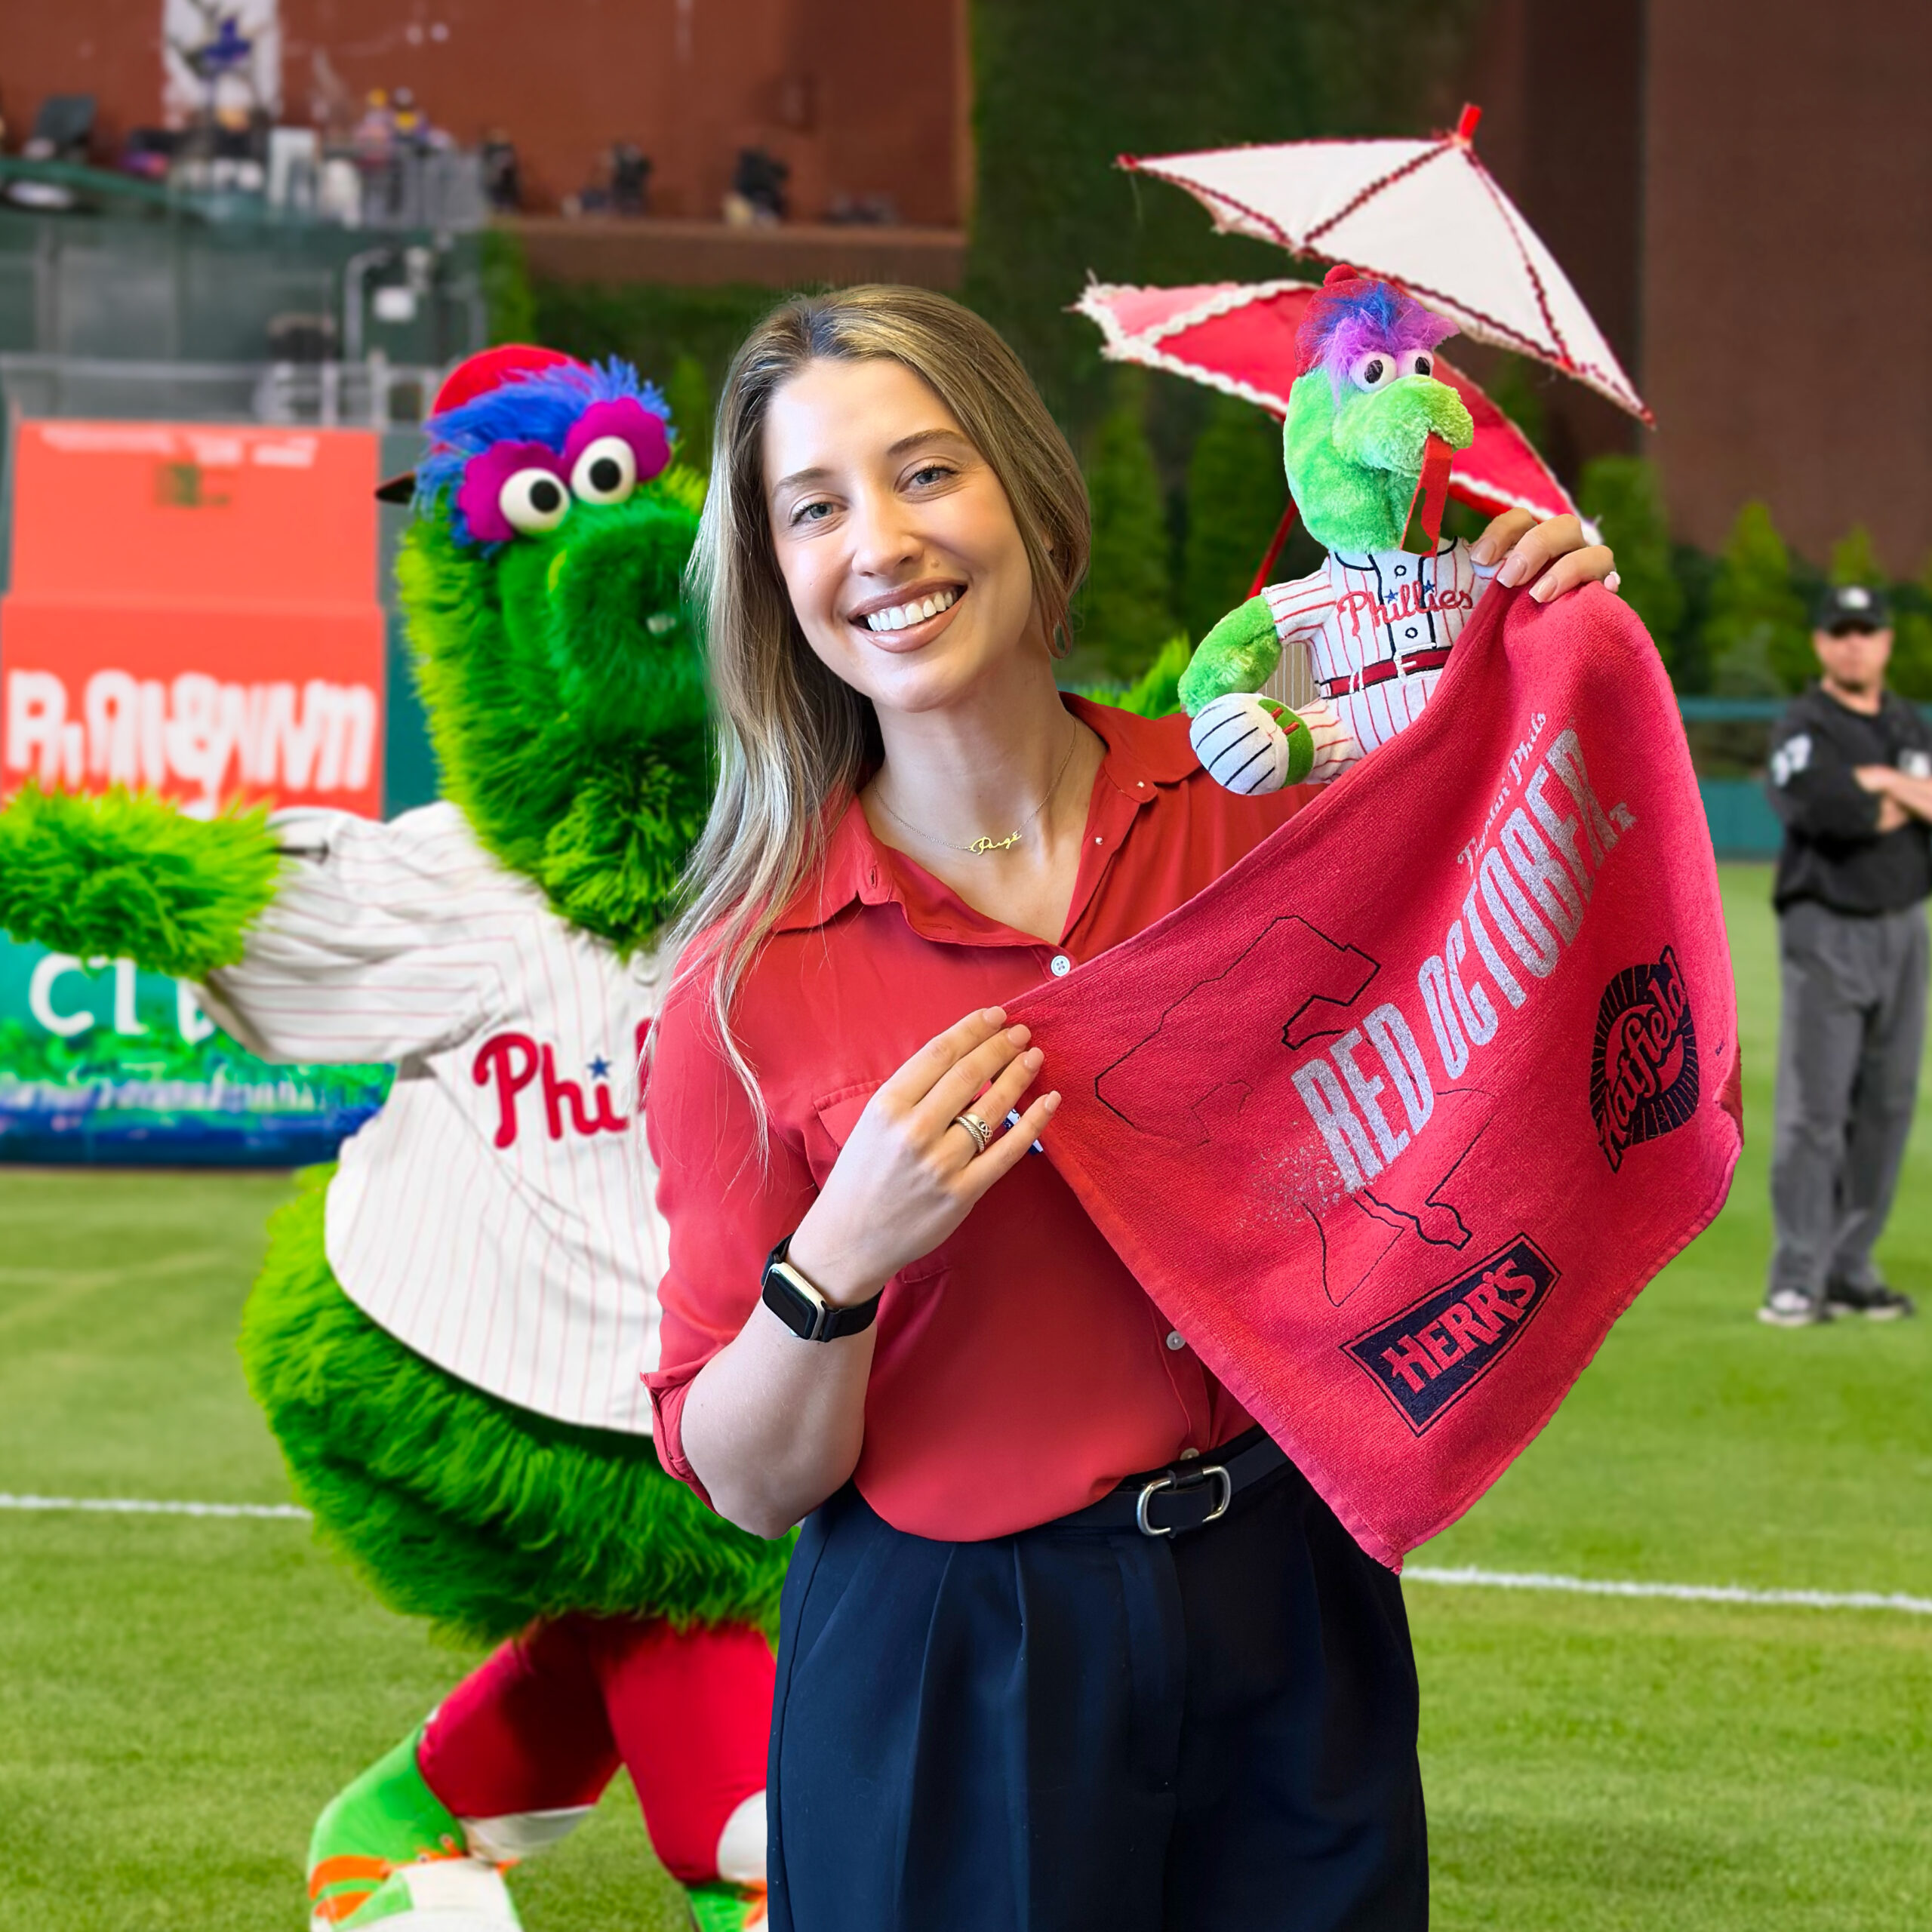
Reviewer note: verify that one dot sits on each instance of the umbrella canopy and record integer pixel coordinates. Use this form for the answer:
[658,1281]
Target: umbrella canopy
[1239,338]
[1426,214]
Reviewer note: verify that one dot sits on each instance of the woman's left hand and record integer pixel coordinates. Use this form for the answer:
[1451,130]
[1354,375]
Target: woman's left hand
[1551,557]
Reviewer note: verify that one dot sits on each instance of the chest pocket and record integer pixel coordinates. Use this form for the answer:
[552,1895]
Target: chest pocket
[837,1115]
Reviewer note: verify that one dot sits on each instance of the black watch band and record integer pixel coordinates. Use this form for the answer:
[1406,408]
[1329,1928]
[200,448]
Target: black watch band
[803,1310]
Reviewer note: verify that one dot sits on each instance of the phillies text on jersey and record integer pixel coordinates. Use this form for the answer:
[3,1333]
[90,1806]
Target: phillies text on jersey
[499,1215]
[1377,629]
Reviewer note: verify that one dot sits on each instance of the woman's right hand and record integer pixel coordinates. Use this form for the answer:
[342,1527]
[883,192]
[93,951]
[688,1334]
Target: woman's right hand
[908,1176]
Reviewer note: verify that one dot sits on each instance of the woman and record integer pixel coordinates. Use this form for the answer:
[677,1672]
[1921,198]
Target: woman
[1005,1700]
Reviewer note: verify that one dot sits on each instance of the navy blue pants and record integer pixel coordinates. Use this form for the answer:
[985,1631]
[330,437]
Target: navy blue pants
[1071,1729]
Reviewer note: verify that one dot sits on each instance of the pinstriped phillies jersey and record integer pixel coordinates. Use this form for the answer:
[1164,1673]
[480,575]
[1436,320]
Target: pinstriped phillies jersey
[499,1214]
[1356,614]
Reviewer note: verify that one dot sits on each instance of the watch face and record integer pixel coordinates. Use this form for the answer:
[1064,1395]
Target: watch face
[792,1300]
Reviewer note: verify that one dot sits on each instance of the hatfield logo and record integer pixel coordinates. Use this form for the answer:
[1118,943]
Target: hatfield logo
[1437,1349]
[1644,1064]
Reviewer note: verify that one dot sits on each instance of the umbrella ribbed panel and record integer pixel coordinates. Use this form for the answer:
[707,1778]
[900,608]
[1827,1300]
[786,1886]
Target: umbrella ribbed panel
[1424,214]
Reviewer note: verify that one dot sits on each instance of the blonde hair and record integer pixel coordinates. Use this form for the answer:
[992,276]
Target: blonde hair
[794,740]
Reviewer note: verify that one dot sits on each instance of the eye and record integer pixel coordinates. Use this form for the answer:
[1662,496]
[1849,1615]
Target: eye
[930,472]
[606,472]
[1416,362]
[534,501]
[1375,369]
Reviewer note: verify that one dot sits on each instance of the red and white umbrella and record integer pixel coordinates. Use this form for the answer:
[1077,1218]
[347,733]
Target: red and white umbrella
[1239,338]
[1424,214]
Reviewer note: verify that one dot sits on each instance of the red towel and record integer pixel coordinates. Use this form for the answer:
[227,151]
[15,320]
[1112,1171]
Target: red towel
[1396,1119]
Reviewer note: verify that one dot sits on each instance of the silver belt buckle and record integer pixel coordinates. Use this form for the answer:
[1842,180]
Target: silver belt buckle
[1168,1480]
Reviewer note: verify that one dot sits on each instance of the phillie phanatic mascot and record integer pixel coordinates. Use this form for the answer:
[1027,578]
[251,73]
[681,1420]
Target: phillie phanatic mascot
[1370,429]
[449,1330]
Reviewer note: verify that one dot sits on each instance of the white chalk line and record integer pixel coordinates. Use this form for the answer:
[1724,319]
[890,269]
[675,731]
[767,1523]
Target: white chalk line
[141,1505]
[1607,1586]
[1467,1577]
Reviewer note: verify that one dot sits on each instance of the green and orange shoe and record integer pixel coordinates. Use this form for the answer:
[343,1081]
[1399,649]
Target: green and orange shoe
[724,1907]
[387,1852]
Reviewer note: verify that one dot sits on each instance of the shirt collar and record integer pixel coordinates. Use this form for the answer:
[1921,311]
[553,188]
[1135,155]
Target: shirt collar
[1142,754]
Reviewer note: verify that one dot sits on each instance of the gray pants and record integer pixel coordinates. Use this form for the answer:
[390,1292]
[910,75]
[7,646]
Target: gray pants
[1849,1040]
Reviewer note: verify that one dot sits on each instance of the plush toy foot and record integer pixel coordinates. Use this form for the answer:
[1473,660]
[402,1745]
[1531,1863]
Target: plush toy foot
[1237,738]
[728,1908]
[386,1847]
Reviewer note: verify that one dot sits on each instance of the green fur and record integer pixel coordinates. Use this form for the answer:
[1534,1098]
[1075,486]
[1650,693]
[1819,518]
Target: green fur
[1239,654]
[126,876]
[462,1508]
[1353,468]
[572,733]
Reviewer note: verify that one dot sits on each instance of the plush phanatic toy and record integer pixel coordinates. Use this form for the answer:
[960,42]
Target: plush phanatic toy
[1370,431]
[449,1330]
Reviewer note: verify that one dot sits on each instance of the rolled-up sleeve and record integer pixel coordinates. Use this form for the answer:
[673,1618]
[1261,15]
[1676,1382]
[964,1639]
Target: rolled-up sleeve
[726,1202]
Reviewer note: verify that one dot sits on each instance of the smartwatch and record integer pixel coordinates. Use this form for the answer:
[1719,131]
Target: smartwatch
[803,1310]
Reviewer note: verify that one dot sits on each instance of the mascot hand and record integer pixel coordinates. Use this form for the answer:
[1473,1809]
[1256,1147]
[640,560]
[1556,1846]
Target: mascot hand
[1239,654]
[1251,745]
[127,877]
[1335,746]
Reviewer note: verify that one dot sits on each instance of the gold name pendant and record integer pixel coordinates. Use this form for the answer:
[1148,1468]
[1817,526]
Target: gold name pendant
[1005,844]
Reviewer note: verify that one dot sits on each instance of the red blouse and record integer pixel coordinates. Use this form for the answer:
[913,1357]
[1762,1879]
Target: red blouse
[1020,1370]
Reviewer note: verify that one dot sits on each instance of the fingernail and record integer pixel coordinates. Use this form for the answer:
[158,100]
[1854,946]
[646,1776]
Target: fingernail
[1018,1035]
[1610,583]
[1512,571]
[1033,1057]
[1483,550]
[1053,1101]
[1542,591]
[993,1015]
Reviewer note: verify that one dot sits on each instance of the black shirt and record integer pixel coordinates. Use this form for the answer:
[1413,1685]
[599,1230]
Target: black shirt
[1834,852]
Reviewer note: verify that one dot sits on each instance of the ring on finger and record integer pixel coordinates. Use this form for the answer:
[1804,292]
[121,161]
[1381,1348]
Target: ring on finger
[981,1133]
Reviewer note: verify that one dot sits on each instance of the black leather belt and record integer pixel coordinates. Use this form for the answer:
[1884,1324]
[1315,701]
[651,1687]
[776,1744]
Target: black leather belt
[1183,1496]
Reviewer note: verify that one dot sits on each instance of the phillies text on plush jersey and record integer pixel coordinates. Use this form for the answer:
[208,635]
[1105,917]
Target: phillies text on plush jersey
[1377,629]
[499,1214]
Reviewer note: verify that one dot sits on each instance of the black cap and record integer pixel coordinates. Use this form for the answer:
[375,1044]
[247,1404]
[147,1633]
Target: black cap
[1853,607]
[397,489]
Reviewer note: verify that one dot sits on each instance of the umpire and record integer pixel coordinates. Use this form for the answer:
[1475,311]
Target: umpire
[1850,776]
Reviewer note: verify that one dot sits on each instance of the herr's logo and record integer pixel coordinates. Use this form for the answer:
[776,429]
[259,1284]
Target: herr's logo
[1643,1063]
[1439,1348]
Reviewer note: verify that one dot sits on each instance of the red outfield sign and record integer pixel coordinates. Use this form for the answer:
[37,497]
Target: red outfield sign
[193,612]
[1396,1119]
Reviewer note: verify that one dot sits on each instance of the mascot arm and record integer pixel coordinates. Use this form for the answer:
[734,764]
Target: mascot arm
[383,943]
[1239,654]
[127,876]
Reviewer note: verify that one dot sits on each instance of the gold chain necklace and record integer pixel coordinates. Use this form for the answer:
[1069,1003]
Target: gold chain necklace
[981,846]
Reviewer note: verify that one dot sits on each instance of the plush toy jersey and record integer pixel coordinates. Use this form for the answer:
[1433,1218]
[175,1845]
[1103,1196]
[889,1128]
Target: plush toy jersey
[448,1333]
[1369,431]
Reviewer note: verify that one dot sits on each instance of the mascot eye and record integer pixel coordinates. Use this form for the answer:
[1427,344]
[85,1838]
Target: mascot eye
[606,472]
[534,501]
[1416,362]
[1374,371]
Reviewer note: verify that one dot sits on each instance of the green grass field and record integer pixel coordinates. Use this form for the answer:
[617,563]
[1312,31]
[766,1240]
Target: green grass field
[178,1696]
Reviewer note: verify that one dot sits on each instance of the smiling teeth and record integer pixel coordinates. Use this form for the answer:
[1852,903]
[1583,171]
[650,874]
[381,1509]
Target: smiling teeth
[902,615]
